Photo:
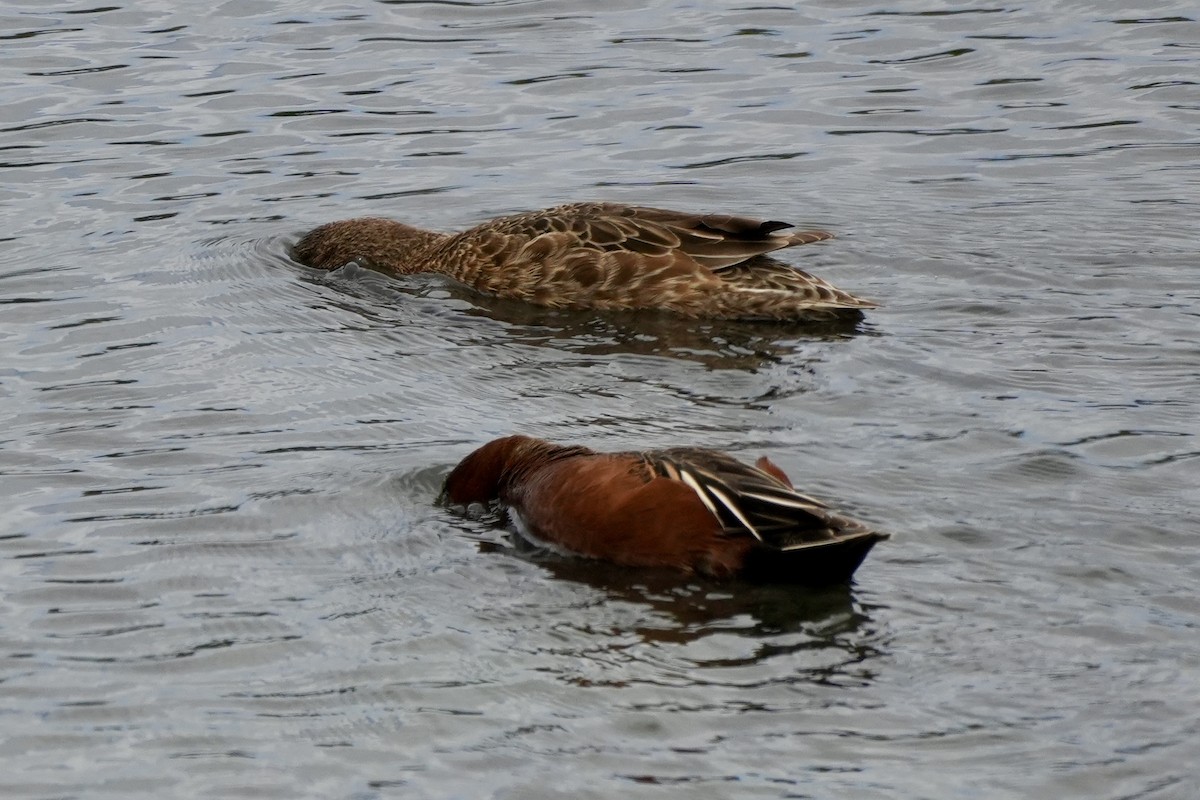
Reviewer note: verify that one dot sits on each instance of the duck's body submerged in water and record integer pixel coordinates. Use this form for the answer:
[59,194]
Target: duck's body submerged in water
[603,256]
[690,509]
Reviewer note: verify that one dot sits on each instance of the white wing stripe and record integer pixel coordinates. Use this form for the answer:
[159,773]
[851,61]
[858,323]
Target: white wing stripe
[737,512]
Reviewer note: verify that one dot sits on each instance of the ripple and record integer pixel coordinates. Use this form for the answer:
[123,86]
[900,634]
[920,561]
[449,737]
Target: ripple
[220,547]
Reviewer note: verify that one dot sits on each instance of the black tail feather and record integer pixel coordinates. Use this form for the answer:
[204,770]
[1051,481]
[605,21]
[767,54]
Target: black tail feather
[817,564]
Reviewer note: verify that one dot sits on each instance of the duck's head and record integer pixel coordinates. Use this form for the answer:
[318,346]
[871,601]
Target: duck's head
[371,241]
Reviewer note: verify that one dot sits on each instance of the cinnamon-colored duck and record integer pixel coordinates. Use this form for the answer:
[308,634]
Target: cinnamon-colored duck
[695,510]
[603,256]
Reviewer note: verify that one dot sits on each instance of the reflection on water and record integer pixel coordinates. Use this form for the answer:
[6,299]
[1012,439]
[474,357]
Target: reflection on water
[704,633]
[224,573]
[717,344]
[835,627]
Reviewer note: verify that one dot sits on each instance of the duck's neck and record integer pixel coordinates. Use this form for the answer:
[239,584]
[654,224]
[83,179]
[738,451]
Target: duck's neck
[500,467]
[378,243]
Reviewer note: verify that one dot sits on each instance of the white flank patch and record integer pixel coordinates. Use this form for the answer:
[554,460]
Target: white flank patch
[527,534]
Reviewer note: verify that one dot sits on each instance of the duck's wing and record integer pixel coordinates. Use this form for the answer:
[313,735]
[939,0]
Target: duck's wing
[715,241]
[766,275]
[753,501]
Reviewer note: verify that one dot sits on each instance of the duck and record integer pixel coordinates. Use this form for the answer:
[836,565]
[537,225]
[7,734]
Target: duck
[603,256]
[693,510]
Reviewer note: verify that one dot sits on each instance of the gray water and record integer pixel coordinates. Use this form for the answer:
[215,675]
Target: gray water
[222,570]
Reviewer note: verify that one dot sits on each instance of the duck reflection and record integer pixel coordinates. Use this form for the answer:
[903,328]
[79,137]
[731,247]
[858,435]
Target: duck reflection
[826,636]
[693,603]
[718,344]
[460,314]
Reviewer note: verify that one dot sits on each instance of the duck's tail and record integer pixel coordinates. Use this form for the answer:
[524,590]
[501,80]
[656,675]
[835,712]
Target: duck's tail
[821,563]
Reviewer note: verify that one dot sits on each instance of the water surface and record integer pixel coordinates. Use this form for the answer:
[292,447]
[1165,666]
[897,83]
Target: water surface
[223,573]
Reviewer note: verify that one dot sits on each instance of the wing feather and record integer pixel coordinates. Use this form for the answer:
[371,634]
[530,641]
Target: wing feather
[752,501]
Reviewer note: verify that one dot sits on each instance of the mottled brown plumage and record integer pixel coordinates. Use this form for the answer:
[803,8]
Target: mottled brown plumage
[691,509]
[602,256]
